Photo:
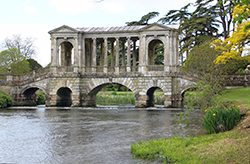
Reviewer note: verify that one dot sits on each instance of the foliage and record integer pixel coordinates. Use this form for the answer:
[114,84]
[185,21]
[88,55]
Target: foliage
[115,87]
[200,24]
[41,97]
[20,67]
[144,19]
[5,100]
[34,65]
[201,61]
[233,47]
[214,148]
[13,59]
[25,45]
[236,65]
[219,119]
[205,95]
[109,98]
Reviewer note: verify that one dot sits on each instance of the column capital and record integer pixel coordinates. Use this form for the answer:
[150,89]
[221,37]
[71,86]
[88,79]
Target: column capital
[117,38]
[128,37]
[167,34]
[94,38]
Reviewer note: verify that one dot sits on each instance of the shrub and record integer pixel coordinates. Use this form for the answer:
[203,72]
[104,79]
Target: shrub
[219,120]
[5,100]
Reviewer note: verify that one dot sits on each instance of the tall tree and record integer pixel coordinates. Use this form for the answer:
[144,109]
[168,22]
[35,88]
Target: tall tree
[13,59]
[234,46]
[144,19]
[25,45]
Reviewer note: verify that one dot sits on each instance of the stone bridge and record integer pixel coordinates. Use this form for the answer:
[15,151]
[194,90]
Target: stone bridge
[84,60]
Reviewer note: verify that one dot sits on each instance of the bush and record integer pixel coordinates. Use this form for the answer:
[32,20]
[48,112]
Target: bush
[5,100]
[220,120]
[41,97]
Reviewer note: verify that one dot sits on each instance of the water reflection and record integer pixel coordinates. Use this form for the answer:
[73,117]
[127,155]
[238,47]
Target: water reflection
[84,135]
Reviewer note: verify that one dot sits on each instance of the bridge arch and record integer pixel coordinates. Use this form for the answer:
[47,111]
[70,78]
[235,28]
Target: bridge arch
[64,97]
[96,85]
[28,94]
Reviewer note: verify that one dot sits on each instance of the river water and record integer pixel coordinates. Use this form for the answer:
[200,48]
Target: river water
[101,135]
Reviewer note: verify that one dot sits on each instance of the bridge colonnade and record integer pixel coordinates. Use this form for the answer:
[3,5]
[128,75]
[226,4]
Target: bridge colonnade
[86,50]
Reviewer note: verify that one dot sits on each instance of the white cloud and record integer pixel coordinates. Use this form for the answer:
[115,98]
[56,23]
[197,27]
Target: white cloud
[73,6]
[29,9]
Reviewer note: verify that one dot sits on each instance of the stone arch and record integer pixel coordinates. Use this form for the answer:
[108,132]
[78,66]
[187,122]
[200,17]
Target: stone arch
[64,97]
[150,96]
[151,44]
[65,54]
[96,84]
[28,94]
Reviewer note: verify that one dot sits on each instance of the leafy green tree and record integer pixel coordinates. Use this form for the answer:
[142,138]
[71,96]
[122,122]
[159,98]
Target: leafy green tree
[34,65]
[201,62]
[13,59]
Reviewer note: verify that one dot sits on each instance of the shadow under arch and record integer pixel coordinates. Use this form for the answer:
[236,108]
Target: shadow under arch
[30,96]
[63,97]
[151,97]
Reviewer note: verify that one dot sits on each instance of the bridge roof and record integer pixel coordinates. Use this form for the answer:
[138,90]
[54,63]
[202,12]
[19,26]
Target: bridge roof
[121,28]
[154,26]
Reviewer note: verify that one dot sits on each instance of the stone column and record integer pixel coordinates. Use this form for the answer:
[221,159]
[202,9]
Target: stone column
[128,55]
[76,55]
[54,54]
[83,55]
[166,53]
[112,53]
[117,56]
[123,55]
[174,52]
[134,55]
[143,55]
[171,54]
[101,55]
[105,69]
[94,55]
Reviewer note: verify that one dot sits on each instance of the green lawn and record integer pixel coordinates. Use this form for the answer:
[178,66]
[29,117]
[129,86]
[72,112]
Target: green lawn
[228,147]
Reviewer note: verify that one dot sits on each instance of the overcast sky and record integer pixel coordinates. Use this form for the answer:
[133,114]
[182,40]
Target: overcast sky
[34,18]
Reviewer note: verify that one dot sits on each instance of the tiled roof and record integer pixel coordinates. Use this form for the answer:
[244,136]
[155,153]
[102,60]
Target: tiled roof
[110,29]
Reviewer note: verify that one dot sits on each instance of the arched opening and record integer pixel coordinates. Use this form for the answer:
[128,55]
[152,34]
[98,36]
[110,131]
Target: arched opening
[111,94]
[155,96]
[66,54]
[33,96]
[64,97]
[156,52]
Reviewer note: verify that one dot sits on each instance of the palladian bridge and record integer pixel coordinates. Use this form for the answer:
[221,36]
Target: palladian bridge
[84,60]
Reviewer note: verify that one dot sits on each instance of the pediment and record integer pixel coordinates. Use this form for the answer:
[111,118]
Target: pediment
[156,26]
[63,28]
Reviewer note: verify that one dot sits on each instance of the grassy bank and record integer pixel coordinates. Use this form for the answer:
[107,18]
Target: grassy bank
[117,98]
[227,147]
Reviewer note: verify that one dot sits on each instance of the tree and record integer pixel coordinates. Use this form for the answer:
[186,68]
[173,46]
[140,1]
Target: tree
[201,64]
[144,19]
[234,46]
[34,65]
[12,58]
[26,45]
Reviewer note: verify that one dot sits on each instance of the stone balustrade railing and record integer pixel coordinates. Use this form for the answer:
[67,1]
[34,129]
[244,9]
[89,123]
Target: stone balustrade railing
[73,72]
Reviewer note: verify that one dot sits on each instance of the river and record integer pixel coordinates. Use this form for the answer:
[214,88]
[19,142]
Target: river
[101,135]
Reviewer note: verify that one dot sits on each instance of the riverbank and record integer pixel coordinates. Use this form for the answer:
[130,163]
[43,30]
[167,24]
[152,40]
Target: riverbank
[119,97]
[228,147]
